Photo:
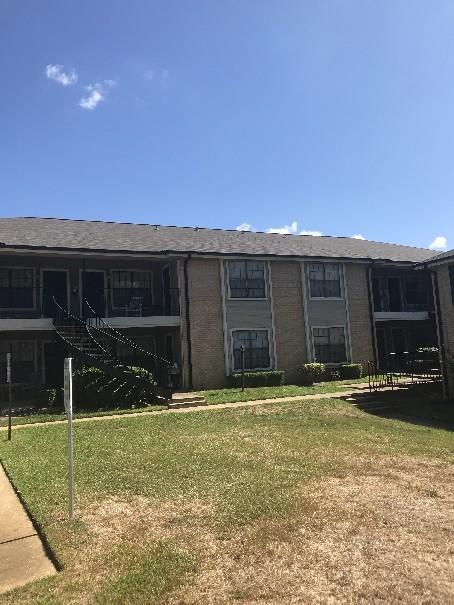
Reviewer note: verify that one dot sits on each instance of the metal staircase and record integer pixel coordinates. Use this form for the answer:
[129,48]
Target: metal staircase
[99,345]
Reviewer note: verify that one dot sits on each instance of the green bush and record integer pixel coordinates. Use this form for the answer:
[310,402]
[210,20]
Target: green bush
[272,378]
[311,372]
[94,389]
[350,370]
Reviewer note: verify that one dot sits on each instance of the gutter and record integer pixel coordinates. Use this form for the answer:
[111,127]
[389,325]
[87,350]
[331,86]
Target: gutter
[188,319]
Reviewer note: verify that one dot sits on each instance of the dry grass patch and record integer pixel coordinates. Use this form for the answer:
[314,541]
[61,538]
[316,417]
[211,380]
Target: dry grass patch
[380,538]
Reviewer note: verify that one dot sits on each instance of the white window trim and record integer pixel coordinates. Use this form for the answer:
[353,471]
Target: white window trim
[19,309]
[112,271]
[341,284]
[331,363]
[232,358]
[265,277]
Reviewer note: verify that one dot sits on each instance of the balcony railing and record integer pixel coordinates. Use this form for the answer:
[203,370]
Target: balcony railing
[107,302]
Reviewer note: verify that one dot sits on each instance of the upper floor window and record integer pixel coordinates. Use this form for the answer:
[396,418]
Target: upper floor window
[415,291]
[256,349]
[329,345]
[324,280]
[16,288]
[247,279]
[127,284]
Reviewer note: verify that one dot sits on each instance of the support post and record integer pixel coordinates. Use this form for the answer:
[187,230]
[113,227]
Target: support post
[10,394]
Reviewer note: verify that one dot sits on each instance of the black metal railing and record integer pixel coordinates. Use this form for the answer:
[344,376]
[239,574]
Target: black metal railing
[38,302]
[409,367]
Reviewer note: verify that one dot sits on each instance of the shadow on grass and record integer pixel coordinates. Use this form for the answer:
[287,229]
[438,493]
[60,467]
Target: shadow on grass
[421,406]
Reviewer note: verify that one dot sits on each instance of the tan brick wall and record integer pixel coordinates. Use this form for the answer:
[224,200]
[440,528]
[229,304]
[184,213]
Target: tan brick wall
[359,314]
[447,319]
[288,318]
[207,339]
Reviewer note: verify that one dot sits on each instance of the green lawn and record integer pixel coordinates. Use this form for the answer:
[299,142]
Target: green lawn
[164,504]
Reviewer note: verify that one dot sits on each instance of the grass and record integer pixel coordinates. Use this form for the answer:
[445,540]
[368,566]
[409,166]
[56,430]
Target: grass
[252,504]
[214,397]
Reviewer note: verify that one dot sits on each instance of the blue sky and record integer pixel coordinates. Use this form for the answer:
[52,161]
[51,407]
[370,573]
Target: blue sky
[331,116]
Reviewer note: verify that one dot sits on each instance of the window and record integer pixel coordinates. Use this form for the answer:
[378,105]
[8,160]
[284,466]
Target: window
[256,349]
[22,359]
[247,279]
[415,291]
[376,294]
[324,280]
[16,288]
[329,345]
[132,283]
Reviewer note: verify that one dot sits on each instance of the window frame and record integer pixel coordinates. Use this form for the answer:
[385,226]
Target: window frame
[18,342]
[421,289]
[451,280]
[232,350]
[113,288]
[265,280]
[33,288]
[341,286]
[330,363]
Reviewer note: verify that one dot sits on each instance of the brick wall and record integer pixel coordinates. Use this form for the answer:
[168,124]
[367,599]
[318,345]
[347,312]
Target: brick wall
[288,318]
[447,320]
[207,340]
[358,308]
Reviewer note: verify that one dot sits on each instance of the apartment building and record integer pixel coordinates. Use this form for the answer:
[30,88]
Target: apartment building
[193,297]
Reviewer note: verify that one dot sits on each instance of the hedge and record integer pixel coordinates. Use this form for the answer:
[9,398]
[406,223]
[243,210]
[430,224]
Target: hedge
[350,370]
[272,378]
[310,372]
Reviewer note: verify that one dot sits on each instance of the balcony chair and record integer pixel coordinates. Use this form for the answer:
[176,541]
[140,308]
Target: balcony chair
[135,307]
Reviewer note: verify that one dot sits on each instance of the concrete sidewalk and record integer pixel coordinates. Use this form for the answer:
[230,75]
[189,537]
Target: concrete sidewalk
[22,556]
[347,392]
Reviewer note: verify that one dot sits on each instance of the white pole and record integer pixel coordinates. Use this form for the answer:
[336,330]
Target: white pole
[69,413]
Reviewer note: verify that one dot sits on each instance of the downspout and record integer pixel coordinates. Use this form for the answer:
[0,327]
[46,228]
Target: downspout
[188,320]
[441,348]
[371,311]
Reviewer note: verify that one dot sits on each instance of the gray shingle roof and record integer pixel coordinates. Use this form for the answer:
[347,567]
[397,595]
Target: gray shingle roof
[65,234]
[445,256]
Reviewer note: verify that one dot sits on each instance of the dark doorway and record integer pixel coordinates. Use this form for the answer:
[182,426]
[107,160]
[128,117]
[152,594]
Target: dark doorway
[381,348]
[394,294]
[55,285]
[399,341]
[166,290]
[169,348]
[54,356]
[93,292]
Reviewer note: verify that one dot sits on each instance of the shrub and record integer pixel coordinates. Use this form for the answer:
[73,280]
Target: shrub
[272,378]
[310,372]
[350,370]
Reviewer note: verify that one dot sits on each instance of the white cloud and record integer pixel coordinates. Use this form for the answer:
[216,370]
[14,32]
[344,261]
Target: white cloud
[149,74]
[314,233]
[164,74]
[244,227]
[439,243]
[97,94]
[285,229]
[56,73]
[358,236]
[152,74]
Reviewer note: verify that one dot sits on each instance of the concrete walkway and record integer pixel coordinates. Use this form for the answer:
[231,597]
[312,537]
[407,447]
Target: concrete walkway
[22,557]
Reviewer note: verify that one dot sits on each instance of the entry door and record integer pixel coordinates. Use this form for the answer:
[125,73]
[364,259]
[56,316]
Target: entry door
[166,290]
[54,356]
[93,292]
[55,285]
[381,348]
[394,294]
[399,340]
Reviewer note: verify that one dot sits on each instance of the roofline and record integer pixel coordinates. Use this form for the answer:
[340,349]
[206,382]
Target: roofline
[213,254]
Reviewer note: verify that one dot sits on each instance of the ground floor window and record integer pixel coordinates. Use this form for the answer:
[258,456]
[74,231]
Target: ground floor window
[22,359]
[329,345]
[256,349]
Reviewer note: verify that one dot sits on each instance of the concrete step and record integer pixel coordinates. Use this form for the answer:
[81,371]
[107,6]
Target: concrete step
[186,400]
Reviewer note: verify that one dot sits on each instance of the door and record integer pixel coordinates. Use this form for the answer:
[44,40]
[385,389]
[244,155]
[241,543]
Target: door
[54,356]
[93,292]
[394,293]
[166,290]
[55,286]
[381,348]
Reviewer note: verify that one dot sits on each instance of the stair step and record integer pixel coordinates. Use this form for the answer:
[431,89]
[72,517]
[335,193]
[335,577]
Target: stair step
[186,400]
